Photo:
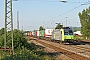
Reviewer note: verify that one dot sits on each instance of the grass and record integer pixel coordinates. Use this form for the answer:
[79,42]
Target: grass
[4,54]
[24,54]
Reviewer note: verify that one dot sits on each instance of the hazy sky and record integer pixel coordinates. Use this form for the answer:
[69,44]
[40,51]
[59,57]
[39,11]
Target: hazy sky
[36,13]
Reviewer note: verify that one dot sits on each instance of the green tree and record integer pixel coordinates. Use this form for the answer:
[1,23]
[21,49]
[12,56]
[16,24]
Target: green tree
[85,22]
[59,26]
[2,40]
[41,28]
[76,29]
[1,37]
[1,31]
[19,39]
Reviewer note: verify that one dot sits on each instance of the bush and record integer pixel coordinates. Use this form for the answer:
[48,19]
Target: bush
[78,38]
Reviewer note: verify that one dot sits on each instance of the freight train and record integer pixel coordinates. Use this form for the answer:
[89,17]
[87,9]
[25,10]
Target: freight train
[64,34]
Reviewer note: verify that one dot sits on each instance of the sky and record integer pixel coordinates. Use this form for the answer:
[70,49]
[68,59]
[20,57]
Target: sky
[46,13]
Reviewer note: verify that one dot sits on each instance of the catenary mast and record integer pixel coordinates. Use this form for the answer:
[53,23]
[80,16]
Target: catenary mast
[8,22]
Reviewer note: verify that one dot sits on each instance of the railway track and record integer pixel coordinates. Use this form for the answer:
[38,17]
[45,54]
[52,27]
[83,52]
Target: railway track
[70,54]
[74,48]
[80,50]
[73,51]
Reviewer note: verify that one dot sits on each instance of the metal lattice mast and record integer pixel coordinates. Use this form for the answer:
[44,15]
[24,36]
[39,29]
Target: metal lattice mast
[8,22]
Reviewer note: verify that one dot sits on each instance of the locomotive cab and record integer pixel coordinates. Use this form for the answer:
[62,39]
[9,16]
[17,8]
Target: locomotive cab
[64,35]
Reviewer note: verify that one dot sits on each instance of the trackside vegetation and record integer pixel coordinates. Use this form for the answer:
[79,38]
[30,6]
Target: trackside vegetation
[22,49]
[84,17]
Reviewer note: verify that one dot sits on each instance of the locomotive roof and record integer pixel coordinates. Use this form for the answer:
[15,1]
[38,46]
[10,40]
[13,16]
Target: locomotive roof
[66,28]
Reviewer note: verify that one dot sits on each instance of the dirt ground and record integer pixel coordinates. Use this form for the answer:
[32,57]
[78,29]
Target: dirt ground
[59,55]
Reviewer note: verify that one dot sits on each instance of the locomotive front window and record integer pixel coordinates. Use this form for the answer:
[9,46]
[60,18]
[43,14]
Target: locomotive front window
[65,32]
[70,32]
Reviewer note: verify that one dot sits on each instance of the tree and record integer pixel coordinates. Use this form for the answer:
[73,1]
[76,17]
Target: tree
[76,29]
[1,31]
[2,37]
[2,40]
[41,28]
[85,22]
[19,39]
[59,26]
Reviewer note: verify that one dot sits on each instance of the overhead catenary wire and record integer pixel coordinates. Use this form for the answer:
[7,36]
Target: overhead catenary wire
[53,13]
[56,1]
[69,10]
[57,9]
[65,12]
[75,2]
[39,0]
[49,1]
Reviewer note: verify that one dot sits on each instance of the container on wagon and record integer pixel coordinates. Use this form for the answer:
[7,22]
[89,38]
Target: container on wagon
[48,32]
[30,33]
[25,34]
[37,33]
[33,33]
[41,33]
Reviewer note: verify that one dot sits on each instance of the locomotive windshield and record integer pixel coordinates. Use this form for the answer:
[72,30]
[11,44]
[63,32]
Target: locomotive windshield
[65,32]
[68,32]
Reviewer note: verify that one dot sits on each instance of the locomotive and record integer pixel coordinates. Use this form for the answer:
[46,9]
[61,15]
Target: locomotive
[64,34]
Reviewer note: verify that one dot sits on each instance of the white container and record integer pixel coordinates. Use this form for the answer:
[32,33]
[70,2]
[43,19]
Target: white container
[37,33]
[48,32]
[33,34]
